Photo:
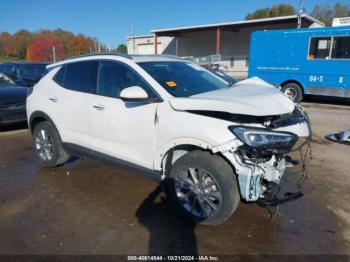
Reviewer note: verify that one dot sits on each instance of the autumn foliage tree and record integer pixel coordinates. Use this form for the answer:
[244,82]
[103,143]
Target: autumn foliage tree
[42,50]
[5,44]
[20,42]
[81,44]
[17,45]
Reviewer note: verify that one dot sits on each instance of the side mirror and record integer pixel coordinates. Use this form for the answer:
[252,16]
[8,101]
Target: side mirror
[133,93]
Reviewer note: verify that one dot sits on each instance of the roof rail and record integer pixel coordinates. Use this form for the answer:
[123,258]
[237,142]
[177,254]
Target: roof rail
[97,54]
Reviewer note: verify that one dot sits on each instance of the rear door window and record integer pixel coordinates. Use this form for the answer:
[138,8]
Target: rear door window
[81,76]
[320,48]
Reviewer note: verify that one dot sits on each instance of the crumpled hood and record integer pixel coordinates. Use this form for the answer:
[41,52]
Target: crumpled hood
[249,97]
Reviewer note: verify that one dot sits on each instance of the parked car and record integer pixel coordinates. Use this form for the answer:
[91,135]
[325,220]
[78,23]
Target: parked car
[213,144]
[23,73]
[12,101]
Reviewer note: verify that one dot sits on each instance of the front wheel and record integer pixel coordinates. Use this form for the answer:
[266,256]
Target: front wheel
[204,187]
[293,91]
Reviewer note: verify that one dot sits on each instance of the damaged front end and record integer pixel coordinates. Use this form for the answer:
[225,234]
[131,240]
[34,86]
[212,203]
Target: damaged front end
[260,155]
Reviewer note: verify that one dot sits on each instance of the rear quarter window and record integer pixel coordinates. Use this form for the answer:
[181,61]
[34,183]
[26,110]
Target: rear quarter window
[59,76]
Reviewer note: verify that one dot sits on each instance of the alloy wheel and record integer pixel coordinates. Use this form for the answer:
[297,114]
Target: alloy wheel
[198,192]
[44,145]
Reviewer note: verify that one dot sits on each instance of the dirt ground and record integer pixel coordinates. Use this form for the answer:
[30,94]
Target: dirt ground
[88,207]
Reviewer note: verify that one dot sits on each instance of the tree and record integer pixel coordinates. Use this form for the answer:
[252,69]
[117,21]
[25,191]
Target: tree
[62,36]
[274,11]
[5,44]
[42,50]
[20,43]
[81,44]
[122,49]
[326,13]
[341,10]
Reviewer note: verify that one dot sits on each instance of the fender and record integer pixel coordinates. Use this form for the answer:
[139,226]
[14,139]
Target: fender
[188,141]
[39,115]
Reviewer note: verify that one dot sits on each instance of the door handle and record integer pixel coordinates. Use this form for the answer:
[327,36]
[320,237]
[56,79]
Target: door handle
[53,99]
[99,107]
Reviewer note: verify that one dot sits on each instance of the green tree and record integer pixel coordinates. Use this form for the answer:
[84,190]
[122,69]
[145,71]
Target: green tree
[274,11]
[326,13]
[282,10]
[341,10]
[122,49]
[20,43]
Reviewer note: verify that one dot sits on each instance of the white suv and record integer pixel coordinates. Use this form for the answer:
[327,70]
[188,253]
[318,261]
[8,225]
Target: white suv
[213,143]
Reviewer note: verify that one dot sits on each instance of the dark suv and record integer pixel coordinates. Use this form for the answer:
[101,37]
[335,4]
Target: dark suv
[24,74]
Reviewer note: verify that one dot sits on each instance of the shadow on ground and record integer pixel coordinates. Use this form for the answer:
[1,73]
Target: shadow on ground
[14,127]
[169,234]
[327,100]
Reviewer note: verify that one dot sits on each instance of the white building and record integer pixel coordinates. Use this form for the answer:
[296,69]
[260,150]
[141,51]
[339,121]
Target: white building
[144,44]
[228,42]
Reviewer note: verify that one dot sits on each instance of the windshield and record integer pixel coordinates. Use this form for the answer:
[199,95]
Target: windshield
[32,71]
[225,77]
[5,81]
[182,79]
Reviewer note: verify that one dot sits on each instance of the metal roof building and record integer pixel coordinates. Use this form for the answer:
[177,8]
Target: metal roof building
[227,43]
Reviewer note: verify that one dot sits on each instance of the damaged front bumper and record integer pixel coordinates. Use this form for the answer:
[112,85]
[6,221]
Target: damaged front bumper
[252,177]
[259,176]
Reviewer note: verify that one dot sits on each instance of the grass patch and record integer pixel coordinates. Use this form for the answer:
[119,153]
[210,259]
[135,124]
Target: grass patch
[8,59]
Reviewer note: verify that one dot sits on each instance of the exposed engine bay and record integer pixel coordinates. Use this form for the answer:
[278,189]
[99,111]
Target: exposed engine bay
[261,168]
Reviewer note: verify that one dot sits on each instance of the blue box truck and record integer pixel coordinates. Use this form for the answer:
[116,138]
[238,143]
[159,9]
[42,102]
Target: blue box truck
[313,61]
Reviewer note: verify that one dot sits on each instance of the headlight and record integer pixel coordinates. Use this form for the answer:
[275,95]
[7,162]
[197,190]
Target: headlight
[264,139]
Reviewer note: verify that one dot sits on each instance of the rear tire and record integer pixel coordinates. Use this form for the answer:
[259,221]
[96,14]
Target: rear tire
[212,196]
[293,91]
[48,145]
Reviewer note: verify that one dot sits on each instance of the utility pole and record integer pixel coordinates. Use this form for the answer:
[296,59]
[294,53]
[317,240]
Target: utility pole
[177,46]
[300,12]
[54,54]
[133,38]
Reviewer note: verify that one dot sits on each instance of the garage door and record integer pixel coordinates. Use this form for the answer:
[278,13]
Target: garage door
[147,49]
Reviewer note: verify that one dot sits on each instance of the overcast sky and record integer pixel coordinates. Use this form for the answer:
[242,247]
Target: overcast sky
[110,20]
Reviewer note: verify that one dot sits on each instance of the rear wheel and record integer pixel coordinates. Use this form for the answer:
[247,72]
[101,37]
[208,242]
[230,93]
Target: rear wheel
[48,145]
[204,187]
[293,91]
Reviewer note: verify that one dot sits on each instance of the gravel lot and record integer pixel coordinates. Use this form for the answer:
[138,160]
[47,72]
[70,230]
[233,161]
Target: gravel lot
[88,207]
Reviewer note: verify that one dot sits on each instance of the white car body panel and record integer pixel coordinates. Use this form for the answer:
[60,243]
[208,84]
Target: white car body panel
[241,99]
[124,130]
[40,99]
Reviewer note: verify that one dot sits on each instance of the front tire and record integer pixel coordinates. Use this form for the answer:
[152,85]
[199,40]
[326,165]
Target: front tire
[204,187]
[48,145]
[293,91]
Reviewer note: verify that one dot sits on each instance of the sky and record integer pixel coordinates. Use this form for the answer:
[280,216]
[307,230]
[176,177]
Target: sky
[110,21]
